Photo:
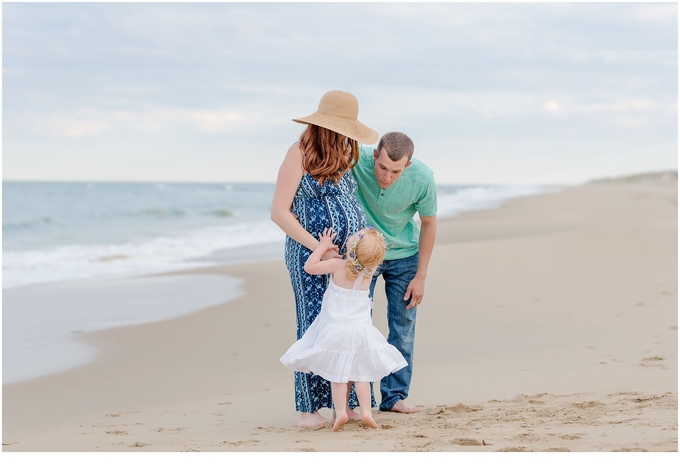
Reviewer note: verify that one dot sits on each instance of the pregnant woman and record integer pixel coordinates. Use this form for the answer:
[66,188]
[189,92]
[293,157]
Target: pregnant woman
[315,190]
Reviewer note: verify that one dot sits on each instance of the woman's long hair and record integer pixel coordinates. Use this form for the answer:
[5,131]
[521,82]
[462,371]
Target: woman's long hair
[327,155]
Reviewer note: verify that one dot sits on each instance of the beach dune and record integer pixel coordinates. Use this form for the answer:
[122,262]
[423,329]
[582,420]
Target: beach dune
[549,324]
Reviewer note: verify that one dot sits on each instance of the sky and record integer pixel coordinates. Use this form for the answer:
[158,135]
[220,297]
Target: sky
[490,93]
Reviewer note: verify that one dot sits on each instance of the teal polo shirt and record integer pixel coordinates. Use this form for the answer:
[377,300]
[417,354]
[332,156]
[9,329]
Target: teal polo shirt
[391,210]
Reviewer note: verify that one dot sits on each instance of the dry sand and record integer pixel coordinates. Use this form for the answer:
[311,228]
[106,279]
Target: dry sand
[549,324]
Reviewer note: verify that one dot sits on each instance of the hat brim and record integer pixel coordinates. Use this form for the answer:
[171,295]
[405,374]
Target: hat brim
[346,126]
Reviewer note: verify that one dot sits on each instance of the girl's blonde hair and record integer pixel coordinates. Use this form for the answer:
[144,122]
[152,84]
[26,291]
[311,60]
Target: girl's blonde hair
[366,253]
[327,154]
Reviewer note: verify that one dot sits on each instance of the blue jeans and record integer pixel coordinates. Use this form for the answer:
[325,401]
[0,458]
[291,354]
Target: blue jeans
[401,323]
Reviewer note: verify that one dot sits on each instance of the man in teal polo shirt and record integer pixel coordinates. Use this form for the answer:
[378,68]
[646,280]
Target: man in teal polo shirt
[393,187]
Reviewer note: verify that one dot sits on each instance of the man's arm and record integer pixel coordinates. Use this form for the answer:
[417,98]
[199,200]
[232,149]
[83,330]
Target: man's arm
[428,232]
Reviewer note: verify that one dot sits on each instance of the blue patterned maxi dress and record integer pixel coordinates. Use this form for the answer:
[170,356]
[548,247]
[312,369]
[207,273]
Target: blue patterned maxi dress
[317,207]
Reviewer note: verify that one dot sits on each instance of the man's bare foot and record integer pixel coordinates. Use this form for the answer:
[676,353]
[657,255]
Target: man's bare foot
[368,420]
[340,421]
[402,407]
[351,414]
[311,420]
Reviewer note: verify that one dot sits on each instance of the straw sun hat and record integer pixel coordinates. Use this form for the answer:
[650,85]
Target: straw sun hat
[338,111]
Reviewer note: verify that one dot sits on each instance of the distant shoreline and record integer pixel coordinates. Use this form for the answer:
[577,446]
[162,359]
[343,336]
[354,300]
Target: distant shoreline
[632,177]
[657,177]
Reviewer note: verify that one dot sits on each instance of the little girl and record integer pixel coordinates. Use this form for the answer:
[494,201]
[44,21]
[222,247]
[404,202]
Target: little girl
[342,345]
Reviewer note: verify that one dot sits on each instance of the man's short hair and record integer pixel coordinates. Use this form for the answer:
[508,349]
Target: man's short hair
[397,145]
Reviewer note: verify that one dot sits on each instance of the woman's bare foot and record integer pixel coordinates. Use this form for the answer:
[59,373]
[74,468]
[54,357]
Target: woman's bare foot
[402,407]
[368,420]
[340,421]
[311,420]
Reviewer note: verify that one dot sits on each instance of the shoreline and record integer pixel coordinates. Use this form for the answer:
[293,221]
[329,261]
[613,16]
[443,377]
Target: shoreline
[69,351]
[498,299]
[232,240]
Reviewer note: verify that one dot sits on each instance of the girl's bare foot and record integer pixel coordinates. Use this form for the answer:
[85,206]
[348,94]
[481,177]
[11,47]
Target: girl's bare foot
[368,420]
[351,414]
[311,420]
[340,421]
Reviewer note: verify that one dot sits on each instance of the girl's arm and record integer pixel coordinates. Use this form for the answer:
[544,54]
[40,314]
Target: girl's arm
[315,265]
[289,177]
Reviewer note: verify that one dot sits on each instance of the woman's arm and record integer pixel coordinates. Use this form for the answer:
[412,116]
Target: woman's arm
[287,182]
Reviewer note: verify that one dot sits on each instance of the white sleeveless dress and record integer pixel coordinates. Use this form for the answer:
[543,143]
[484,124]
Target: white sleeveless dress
[342,345]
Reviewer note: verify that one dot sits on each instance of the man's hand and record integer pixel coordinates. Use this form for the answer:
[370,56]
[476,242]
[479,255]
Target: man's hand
[416,290]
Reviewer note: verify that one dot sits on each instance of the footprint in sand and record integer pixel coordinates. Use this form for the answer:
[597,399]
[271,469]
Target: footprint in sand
[466,441]
[654,358]
[120,413]
[117,432]
[587,404]
[537,402]
[139,444]
[645,399]
[630,449]
[653,361]
[240,443]
[459,408]
[225,403]
[270,429]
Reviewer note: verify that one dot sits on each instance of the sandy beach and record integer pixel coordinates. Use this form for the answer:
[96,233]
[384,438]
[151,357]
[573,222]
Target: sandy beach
[549,324]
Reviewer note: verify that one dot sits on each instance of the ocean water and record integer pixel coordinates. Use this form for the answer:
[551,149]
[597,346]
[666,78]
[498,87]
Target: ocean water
[75,256]
[64,231]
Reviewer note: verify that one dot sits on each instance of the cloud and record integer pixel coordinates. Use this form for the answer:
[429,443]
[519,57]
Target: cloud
[132,90]
[76,128]
[552,106]
[74,124]
[666,13]
[141,73]
[8,72]
[78,123]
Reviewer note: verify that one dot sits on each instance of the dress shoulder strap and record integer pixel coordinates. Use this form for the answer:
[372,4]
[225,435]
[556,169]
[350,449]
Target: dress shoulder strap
[360,278]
